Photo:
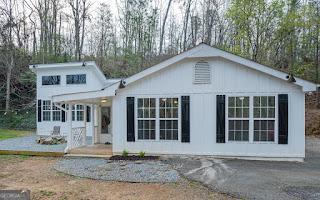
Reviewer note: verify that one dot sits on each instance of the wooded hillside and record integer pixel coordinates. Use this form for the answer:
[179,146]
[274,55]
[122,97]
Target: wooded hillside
[284,34]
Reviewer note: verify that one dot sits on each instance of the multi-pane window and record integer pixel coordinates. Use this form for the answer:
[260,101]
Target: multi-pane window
[76,79]
[77,112]
[238,118]
[264,118]
[146,118]
[168,111]
[46,110]
[56,113]
[51,80]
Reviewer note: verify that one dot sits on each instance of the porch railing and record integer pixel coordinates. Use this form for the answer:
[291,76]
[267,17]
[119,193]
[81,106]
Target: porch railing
[78,137]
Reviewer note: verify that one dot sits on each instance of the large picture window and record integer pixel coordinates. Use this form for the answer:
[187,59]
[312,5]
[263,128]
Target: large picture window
[51,80]
[46,110]
[76,79]
[168,111]
[264,118]
[146,118]
[238,118]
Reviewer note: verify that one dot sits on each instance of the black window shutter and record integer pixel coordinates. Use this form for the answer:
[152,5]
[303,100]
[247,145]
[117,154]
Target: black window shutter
[130,119]
[63,113]
[88,113]
[283,118]
[185,119]
[221,119]
[39,110]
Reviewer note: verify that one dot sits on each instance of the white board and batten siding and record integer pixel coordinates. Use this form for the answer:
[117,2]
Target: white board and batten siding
[45,92]
[227,78]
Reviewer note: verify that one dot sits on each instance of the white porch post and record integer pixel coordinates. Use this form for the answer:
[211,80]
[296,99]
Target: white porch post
[99,123]
[85,125]
[92,123]
[69,138]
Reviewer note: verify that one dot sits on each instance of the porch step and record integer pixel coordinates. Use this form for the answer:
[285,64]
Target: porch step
[86,156]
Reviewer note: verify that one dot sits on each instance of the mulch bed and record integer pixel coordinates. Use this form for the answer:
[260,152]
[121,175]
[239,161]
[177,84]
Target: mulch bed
[133,157]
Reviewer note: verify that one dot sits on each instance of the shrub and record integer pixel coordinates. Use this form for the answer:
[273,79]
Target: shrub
[125,153]
[142,154]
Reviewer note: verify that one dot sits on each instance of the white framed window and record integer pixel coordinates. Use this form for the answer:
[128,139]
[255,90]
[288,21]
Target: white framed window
[264,110]
[56,113]
[77,112]
[46,110]
[169,117]
[238,118]
[146,110]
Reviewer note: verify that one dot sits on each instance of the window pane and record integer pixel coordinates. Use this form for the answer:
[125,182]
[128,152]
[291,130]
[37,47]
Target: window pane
[256,112]
[264,101]
[140,134]
[264,113]
[256,136]
[175,112]
[231,112]
[162,134]
[140,103]
[245,135]
[245,125]
[238,125]
[162,102]
[238,102]
[231,124]
[270,125]
[175,134]
[50,80]
[246,102]
[152,113]
[271,101]
[162,113]
[256,124]
[271,112]
[263,125]
[271,136]
[168,113]
[238,135]
[263,136]
[175,124]
[231,101]
[246,112]
[256,101]
[152,103]
[175,103]
[238,113]
[140,113]
[231,135]
[76,79]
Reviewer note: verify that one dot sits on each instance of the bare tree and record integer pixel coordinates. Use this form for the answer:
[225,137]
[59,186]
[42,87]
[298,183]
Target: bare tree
[164,26]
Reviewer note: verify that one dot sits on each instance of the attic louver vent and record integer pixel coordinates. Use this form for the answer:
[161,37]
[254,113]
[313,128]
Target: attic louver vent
[202,73]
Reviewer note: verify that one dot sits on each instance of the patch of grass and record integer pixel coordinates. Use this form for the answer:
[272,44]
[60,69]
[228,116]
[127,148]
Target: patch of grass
[7,134]
[47,193]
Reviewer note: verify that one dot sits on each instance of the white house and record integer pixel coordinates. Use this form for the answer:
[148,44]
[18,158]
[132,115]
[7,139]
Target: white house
[204,101]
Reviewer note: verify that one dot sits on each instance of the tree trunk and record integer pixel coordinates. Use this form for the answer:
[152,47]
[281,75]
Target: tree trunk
[163,26]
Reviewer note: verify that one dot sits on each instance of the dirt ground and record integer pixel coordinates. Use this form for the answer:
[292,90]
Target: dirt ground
[38,175]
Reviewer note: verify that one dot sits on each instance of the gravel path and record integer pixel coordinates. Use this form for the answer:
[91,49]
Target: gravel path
[129,171]
[28,143]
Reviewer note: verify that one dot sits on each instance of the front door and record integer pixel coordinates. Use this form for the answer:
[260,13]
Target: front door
[106,135]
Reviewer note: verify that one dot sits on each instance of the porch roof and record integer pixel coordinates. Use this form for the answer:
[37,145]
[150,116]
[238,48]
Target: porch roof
[94,96]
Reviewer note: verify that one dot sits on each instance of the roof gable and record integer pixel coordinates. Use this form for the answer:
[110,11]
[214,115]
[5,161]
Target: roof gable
[205,51]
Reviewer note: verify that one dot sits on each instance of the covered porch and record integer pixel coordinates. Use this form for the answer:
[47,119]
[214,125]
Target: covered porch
[88,115]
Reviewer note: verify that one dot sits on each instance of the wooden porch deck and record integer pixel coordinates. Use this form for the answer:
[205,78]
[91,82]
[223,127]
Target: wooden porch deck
[96,150]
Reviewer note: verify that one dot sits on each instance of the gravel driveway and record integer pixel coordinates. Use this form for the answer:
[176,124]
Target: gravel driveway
[129,171]
[257,179]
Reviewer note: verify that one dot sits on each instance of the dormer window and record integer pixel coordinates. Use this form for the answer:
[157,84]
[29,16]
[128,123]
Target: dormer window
[202,73]
[76,79]
[51,80]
